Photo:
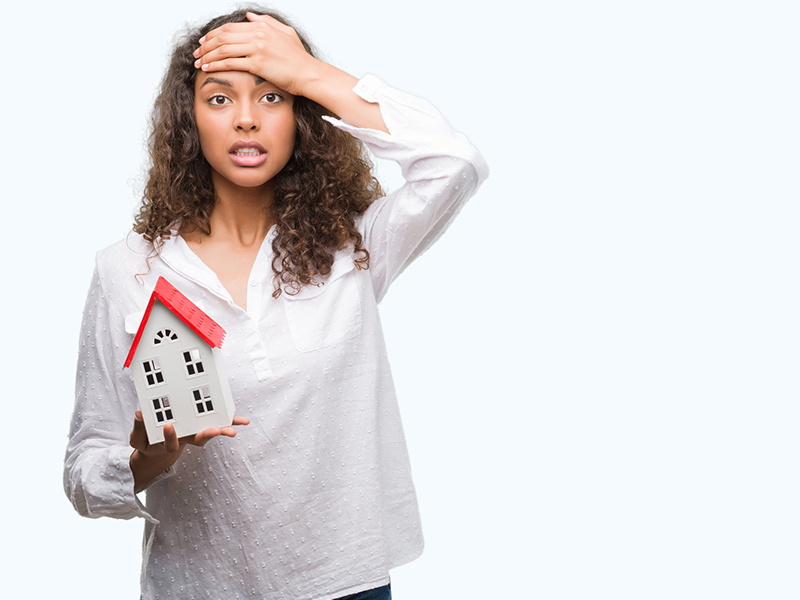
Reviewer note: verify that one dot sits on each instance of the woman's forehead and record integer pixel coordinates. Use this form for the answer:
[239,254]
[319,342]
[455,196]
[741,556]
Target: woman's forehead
[231,79]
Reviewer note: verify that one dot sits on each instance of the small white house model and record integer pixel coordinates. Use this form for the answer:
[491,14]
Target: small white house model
[177,367]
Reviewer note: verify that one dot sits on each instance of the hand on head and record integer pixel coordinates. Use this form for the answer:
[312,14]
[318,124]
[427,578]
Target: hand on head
[262,46]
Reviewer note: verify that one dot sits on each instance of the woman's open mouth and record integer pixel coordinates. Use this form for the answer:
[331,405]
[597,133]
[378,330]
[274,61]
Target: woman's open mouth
[248,154]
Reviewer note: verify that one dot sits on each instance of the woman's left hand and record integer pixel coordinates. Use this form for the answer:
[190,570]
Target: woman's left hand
[263,46]
[271,50]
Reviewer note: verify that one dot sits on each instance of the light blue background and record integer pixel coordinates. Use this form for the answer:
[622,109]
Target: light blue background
[597,365]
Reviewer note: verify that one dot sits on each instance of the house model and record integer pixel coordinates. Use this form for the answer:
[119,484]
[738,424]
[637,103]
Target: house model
[177,368]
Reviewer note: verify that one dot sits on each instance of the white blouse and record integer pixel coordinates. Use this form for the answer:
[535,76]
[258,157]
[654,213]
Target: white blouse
[313,500]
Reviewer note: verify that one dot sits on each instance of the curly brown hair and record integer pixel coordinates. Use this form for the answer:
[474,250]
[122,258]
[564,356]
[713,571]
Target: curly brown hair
[327,182]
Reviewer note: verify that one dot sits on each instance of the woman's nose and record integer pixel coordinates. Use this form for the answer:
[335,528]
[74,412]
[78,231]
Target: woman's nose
[246,118]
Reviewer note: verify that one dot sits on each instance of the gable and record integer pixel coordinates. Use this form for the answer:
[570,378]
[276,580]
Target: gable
[185,310]
[164,325]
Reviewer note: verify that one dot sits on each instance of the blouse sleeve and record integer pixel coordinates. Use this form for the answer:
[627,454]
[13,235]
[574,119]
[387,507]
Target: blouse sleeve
[97,475]
[441,168]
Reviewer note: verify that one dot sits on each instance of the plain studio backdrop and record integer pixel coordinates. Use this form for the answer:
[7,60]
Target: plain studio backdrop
[597,365]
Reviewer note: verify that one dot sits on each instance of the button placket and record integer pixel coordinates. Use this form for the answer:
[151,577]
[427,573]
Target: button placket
[255,307]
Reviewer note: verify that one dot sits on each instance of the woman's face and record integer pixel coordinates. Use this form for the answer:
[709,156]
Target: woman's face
[246,125]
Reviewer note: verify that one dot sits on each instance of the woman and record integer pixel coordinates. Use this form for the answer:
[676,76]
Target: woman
[261,209]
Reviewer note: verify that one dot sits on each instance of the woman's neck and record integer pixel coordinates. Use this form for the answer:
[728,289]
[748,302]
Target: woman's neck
[241,216]
[239,221]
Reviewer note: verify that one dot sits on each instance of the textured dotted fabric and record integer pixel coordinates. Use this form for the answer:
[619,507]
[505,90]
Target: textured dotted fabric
[314,499]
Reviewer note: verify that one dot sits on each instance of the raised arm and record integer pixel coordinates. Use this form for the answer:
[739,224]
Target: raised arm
[441,167]
[271,50]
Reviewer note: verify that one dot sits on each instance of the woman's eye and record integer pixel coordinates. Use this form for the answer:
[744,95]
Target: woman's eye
[217,100]
[271,98]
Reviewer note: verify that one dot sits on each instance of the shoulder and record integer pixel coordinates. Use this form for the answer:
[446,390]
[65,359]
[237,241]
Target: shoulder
[122,269]
[124,277]
[125,257]
[133,245]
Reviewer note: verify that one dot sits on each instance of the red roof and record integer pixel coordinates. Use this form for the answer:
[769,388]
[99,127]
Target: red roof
[183,308]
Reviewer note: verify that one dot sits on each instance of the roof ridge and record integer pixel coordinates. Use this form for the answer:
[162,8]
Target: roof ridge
[187,311]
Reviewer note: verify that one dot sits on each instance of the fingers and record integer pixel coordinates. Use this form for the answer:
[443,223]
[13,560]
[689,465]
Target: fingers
[205,436]
[171,442]
[258,46]
[210,64]
[138,438]
[230,431]
[232,33]
[256,17]
[202,438]
[229,51]
[223,40]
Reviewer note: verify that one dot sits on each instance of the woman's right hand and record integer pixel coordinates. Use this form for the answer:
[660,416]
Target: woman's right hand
[150,460]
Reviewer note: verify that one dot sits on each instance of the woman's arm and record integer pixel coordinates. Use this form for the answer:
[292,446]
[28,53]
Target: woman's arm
[271,50]
[97,475]
[442,169]
[106,463]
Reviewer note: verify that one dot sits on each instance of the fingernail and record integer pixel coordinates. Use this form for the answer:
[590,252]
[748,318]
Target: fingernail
[196,52]
[197,63]
[202,39]
[204,67]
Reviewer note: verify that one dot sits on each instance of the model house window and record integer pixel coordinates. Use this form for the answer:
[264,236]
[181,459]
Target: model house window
[162,409]
[152,372]
[194,366]
[202,401]
[165,335]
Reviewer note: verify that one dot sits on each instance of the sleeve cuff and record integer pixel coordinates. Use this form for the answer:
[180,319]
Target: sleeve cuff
[123,465]
[416,128]
[166,474]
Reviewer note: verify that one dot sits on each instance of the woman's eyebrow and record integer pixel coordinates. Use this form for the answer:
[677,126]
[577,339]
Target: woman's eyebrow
[224,82]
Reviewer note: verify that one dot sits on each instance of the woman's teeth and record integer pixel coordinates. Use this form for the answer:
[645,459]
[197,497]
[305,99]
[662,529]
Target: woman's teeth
[247,152]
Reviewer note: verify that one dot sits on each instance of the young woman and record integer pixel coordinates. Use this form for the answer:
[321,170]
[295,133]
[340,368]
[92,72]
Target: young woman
[261,208]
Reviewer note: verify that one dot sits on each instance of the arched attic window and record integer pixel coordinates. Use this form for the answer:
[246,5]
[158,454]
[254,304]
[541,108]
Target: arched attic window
[164,335]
